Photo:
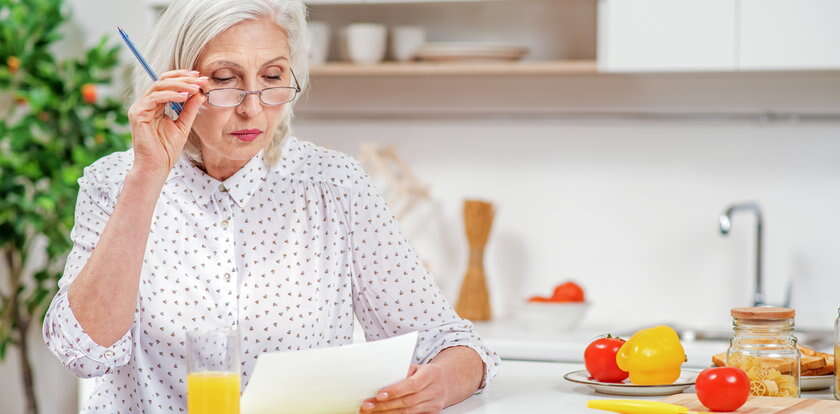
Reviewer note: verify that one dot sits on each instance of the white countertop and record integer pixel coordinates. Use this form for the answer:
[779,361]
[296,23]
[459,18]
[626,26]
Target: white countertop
[539,387]
[513,341]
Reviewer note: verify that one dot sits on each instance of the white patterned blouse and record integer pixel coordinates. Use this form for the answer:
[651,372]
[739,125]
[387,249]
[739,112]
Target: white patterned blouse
[286,254]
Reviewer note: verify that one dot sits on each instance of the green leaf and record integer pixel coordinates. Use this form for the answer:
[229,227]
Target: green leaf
[46,143]
[36,300]
[31,170]
[70,174]
[45,203]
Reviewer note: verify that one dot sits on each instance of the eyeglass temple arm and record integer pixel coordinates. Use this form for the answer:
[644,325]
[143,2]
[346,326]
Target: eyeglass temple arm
[297,84]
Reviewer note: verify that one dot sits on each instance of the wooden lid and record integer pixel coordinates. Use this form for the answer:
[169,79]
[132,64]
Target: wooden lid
[763,313]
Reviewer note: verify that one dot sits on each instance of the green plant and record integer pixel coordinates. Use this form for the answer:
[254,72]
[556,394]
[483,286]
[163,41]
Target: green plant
[52,125]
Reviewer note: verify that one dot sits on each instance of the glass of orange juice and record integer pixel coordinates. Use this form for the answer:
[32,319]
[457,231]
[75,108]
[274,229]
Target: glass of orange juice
[213,371]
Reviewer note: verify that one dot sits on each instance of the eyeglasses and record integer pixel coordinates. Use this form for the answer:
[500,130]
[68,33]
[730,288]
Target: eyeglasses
[230,97]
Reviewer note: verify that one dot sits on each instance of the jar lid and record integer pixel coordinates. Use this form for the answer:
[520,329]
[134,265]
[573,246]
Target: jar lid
[763,313]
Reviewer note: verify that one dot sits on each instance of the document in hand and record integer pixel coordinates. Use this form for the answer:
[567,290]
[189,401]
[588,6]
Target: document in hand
[327,380]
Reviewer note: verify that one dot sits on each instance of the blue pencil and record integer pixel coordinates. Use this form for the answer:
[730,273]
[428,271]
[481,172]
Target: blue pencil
[176,106]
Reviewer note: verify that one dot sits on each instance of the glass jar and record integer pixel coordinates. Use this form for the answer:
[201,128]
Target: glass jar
[836,355]
[764,347]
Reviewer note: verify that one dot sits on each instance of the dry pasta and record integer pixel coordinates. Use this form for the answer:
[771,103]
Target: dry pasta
[765,380]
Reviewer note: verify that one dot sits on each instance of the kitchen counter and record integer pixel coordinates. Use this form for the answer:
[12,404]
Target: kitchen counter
[514,341]
[539,387]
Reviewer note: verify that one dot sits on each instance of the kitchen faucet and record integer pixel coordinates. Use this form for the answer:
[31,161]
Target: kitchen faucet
[726,226]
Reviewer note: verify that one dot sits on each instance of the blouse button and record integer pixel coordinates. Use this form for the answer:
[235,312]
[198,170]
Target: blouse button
[225,223]
[222,188]
[227,277]
[108,354]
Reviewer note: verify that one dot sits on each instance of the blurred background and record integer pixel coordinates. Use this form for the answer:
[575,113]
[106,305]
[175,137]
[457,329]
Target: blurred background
[609,135]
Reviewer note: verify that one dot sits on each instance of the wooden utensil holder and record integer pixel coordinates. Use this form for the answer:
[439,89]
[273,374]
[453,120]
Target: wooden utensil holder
[474,297]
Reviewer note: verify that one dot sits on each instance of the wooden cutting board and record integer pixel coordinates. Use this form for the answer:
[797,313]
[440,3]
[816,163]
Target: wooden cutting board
[766,405]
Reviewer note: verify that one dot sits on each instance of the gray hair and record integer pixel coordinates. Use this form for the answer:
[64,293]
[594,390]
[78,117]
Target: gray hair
[188,25]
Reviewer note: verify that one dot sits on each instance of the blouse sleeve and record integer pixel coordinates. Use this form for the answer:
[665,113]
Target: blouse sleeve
[394,294]
[62,332]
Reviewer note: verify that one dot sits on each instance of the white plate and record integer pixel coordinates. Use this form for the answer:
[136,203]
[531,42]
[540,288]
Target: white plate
[685,380]
[815,383]
[470,51]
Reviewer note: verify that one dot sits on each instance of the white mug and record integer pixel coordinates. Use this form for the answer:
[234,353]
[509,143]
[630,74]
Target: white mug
[405,40]
[320,42]
[365,42]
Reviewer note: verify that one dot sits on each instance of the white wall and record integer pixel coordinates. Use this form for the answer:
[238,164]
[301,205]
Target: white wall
[591,184]
[630,208]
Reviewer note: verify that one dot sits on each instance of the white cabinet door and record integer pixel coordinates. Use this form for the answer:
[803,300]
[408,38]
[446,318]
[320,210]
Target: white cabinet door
[666,35]
[789,34]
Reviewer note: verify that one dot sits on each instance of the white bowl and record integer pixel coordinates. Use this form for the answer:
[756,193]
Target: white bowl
[551,317]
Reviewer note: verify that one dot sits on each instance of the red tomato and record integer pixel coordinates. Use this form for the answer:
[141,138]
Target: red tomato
[723,388]
[568,292]
[599,358]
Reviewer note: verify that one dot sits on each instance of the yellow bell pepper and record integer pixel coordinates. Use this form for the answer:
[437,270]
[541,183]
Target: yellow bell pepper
[652,356]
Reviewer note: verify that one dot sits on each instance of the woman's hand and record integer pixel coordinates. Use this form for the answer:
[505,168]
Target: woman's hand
[422,392]
[157,139]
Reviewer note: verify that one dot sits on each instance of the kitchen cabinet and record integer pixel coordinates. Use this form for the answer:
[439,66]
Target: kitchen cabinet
[789,34]
[717,35]
[666,35]
[632,35]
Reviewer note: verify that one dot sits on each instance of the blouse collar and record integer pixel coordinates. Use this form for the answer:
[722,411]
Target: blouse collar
[241,186]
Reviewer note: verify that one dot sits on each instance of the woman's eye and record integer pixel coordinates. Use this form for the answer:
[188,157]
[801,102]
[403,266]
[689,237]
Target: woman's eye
[222,80]
[274,77]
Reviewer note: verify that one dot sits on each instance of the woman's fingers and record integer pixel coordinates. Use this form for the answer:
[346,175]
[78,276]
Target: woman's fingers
[168,96]
[177,73]
[418,379]
[185,120]
[147,108]
[407,401]
[178,84]
[428,407]
[188,79]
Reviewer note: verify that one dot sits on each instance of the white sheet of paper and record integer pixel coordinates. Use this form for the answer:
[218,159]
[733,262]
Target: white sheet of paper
[327,380]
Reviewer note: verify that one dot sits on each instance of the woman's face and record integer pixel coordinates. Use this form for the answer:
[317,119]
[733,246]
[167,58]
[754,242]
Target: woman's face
[250,55]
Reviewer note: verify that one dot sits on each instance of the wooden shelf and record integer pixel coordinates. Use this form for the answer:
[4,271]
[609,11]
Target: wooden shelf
[165,3]
[357,2]
[562,67]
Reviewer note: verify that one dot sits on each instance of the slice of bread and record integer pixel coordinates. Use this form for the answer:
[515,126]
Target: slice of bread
[807,351]
[812,362]
[826,370]
[829,361]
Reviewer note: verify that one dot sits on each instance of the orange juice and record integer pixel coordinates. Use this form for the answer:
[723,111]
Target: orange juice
[213,393]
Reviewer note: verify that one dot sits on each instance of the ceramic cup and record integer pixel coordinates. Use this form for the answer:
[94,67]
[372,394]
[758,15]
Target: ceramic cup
[405,40]
[320,46]
[365,42]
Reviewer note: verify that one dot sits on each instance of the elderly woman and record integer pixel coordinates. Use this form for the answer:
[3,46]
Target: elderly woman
[222,218]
